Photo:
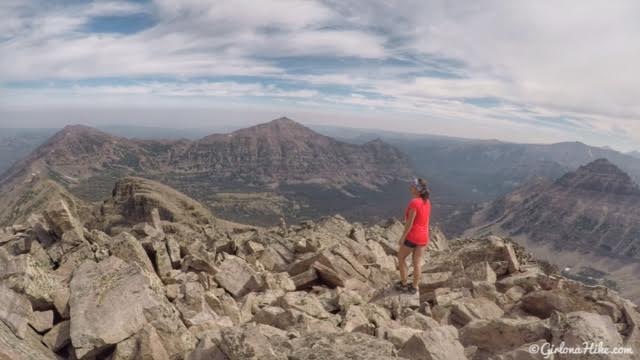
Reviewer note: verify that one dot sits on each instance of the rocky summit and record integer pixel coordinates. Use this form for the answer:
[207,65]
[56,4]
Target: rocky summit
[151,274]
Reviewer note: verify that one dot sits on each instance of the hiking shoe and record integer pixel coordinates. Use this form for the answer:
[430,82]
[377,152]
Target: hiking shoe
[400,286]
[412,290]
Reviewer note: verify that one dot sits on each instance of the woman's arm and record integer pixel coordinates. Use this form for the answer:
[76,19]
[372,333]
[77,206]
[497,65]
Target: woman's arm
[407,226]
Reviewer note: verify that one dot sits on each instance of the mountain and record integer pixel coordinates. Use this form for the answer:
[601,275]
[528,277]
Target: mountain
[588,219]
[465,172]
[635,154]
[261,173]
[15,144]
[162,278]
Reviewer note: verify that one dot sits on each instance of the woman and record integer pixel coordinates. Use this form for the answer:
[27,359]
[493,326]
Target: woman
[415,236]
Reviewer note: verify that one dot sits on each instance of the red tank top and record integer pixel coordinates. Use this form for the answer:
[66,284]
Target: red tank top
[419,232]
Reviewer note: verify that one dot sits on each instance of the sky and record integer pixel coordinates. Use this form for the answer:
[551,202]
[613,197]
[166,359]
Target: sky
[523,71]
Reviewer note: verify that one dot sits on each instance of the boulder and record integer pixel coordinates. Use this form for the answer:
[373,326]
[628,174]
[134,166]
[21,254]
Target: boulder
[124,299]
[151,345]
[275,316]
[512,259]
[440,343]
[356,320]
[41,321]
[341,346]
[207,349]
[162,260]
[515,293]
[128,248]
[431,281]
[305,303]
[543,303]
[468,309]
[272,260]
[58,337]
[577,328]
[444,296]
[193,307]
[632,320]
[237,277]
[61,219]
[528,278]
[249,341]
[481,271]
[524,352]
[24,275]
[29,348]
[398,336]
[513,333]
[347,298]
[394,299]
[223,304]
[15,311]
[338,264]
[61,301]
[305,279]
[279,281]
[174,250]
[419,321]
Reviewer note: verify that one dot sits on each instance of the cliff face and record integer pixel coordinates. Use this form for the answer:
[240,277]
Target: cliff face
[155,276]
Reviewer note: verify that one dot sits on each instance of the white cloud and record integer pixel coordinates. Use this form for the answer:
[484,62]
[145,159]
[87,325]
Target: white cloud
[571,60]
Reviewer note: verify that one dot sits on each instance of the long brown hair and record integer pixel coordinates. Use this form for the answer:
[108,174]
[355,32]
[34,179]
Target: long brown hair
[421,186]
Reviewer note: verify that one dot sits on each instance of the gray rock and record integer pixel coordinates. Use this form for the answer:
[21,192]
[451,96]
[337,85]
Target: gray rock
[41,321]
[192,305]
[58,337]
[481,271]
[15,311]
[341,346]
[237,277]
[279,281]
[440,343]
[123,298]
[576,328]
[249,342]
[128,248]
[398,336]
[468,309]
[513,333]
[28,348]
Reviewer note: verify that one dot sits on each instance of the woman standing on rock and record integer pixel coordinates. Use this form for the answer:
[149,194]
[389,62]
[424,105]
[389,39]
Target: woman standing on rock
[415,236]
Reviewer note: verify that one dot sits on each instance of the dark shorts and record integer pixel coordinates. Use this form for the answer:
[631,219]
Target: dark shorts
[410,244]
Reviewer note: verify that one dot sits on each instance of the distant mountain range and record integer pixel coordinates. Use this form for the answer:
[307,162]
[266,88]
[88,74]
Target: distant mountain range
[587,220]
[263,172]
[461,172]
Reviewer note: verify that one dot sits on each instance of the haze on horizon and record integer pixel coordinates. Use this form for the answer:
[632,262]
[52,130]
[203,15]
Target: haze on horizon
[518,71]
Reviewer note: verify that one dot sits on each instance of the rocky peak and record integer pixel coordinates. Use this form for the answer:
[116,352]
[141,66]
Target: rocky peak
[600,176]
[281,128]
[77,132]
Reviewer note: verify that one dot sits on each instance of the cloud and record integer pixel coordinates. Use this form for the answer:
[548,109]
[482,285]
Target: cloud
[568,69]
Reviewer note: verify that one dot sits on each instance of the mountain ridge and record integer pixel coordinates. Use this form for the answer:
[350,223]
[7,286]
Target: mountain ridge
[290,163]
[591,211]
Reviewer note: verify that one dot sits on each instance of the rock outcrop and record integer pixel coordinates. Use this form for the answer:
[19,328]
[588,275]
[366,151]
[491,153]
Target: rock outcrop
[187,286]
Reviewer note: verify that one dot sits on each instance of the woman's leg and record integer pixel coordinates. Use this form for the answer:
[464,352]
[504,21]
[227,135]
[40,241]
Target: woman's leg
[403,252]
[416,257]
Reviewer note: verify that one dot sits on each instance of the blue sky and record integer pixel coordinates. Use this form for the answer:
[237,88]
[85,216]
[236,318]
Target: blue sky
[525,71]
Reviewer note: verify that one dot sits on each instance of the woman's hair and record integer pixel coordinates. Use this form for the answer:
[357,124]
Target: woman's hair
[421,185]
